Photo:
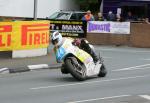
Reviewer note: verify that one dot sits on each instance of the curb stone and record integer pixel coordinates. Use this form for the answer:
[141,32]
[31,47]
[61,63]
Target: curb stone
[28,68]
[4,70]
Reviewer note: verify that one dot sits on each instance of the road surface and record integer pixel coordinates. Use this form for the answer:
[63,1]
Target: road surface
[127,81]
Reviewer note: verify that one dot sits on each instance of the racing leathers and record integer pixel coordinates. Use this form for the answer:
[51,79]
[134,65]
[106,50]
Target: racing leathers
[84,45]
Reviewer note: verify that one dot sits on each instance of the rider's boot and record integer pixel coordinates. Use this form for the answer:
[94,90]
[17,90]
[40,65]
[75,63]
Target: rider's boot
[94,56]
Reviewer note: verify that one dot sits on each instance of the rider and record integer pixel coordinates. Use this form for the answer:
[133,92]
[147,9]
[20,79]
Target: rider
[57,40]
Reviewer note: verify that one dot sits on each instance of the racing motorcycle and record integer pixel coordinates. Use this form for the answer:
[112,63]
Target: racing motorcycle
[78,63]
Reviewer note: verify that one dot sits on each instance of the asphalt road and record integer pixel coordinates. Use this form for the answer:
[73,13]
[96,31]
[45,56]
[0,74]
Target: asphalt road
[127,82]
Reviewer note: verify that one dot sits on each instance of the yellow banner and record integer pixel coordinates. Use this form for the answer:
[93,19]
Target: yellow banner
[6,34]
[22,35]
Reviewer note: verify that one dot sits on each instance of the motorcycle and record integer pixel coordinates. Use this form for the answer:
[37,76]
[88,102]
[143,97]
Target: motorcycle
[78,63]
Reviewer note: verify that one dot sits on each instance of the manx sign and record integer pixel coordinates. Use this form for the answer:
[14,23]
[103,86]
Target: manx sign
[69,28]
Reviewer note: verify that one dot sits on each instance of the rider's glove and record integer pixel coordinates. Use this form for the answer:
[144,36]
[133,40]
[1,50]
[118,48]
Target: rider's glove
[76,42]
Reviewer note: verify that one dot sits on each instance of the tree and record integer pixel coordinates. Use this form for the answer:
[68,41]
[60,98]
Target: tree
[93,5]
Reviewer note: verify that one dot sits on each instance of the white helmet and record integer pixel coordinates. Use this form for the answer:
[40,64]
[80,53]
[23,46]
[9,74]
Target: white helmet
[56,37]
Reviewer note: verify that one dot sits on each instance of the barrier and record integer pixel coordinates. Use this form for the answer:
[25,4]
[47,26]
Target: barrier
[24,35]
[108,33]
[34,35]
[140,35]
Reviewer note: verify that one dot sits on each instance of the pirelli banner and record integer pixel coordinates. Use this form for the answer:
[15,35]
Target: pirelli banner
[23,35]
[69,28]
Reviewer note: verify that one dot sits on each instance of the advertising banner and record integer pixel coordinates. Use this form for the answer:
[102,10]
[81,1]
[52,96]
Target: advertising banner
[120,27]
[98,27]
[6,34]
[33,34]
[23,35]
[108,27]
[69,28]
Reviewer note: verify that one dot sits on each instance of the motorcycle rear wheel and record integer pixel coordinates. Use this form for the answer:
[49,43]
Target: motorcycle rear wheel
[76,71]
[103,71]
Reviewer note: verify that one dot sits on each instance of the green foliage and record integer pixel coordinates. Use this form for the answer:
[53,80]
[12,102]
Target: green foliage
[86,1]
[92,5]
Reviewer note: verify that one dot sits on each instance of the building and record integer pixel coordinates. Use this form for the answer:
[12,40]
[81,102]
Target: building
[139,8]
[25,8]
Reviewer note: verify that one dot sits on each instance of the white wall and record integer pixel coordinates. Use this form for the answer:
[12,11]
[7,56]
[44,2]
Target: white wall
[47,7]
[19,8]
[25,8]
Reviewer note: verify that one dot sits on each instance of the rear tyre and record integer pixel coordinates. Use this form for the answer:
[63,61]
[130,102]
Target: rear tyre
[76,70]
[103,71]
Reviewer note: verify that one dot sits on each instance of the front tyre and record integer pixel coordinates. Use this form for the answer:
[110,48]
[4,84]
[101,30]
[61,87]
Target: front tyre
[64,69]
[75,69]
[103,71]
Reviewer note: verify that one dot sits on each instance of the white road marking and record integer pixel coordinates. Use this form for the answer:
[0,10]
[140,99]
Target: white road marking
[74,84]
[145,96]
[96,99]
[130,51]
[132,68]
[144,59]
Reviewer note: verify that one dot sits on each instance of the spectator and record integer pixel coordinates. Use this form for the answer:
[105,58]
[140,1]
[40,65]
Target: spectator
[88,16]
[130,17]
[118,17]
[99,17]
[1,18]
[147,21]
[111,16]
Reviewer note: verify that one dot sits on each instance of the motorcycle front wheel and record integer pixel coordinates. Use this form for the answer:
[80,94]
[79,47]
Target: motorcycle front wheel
[75,69]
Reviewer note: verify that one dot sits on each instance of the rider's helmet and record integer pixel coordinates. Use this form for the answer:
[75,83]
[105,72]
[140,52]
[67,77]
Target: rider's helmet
[56,38]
